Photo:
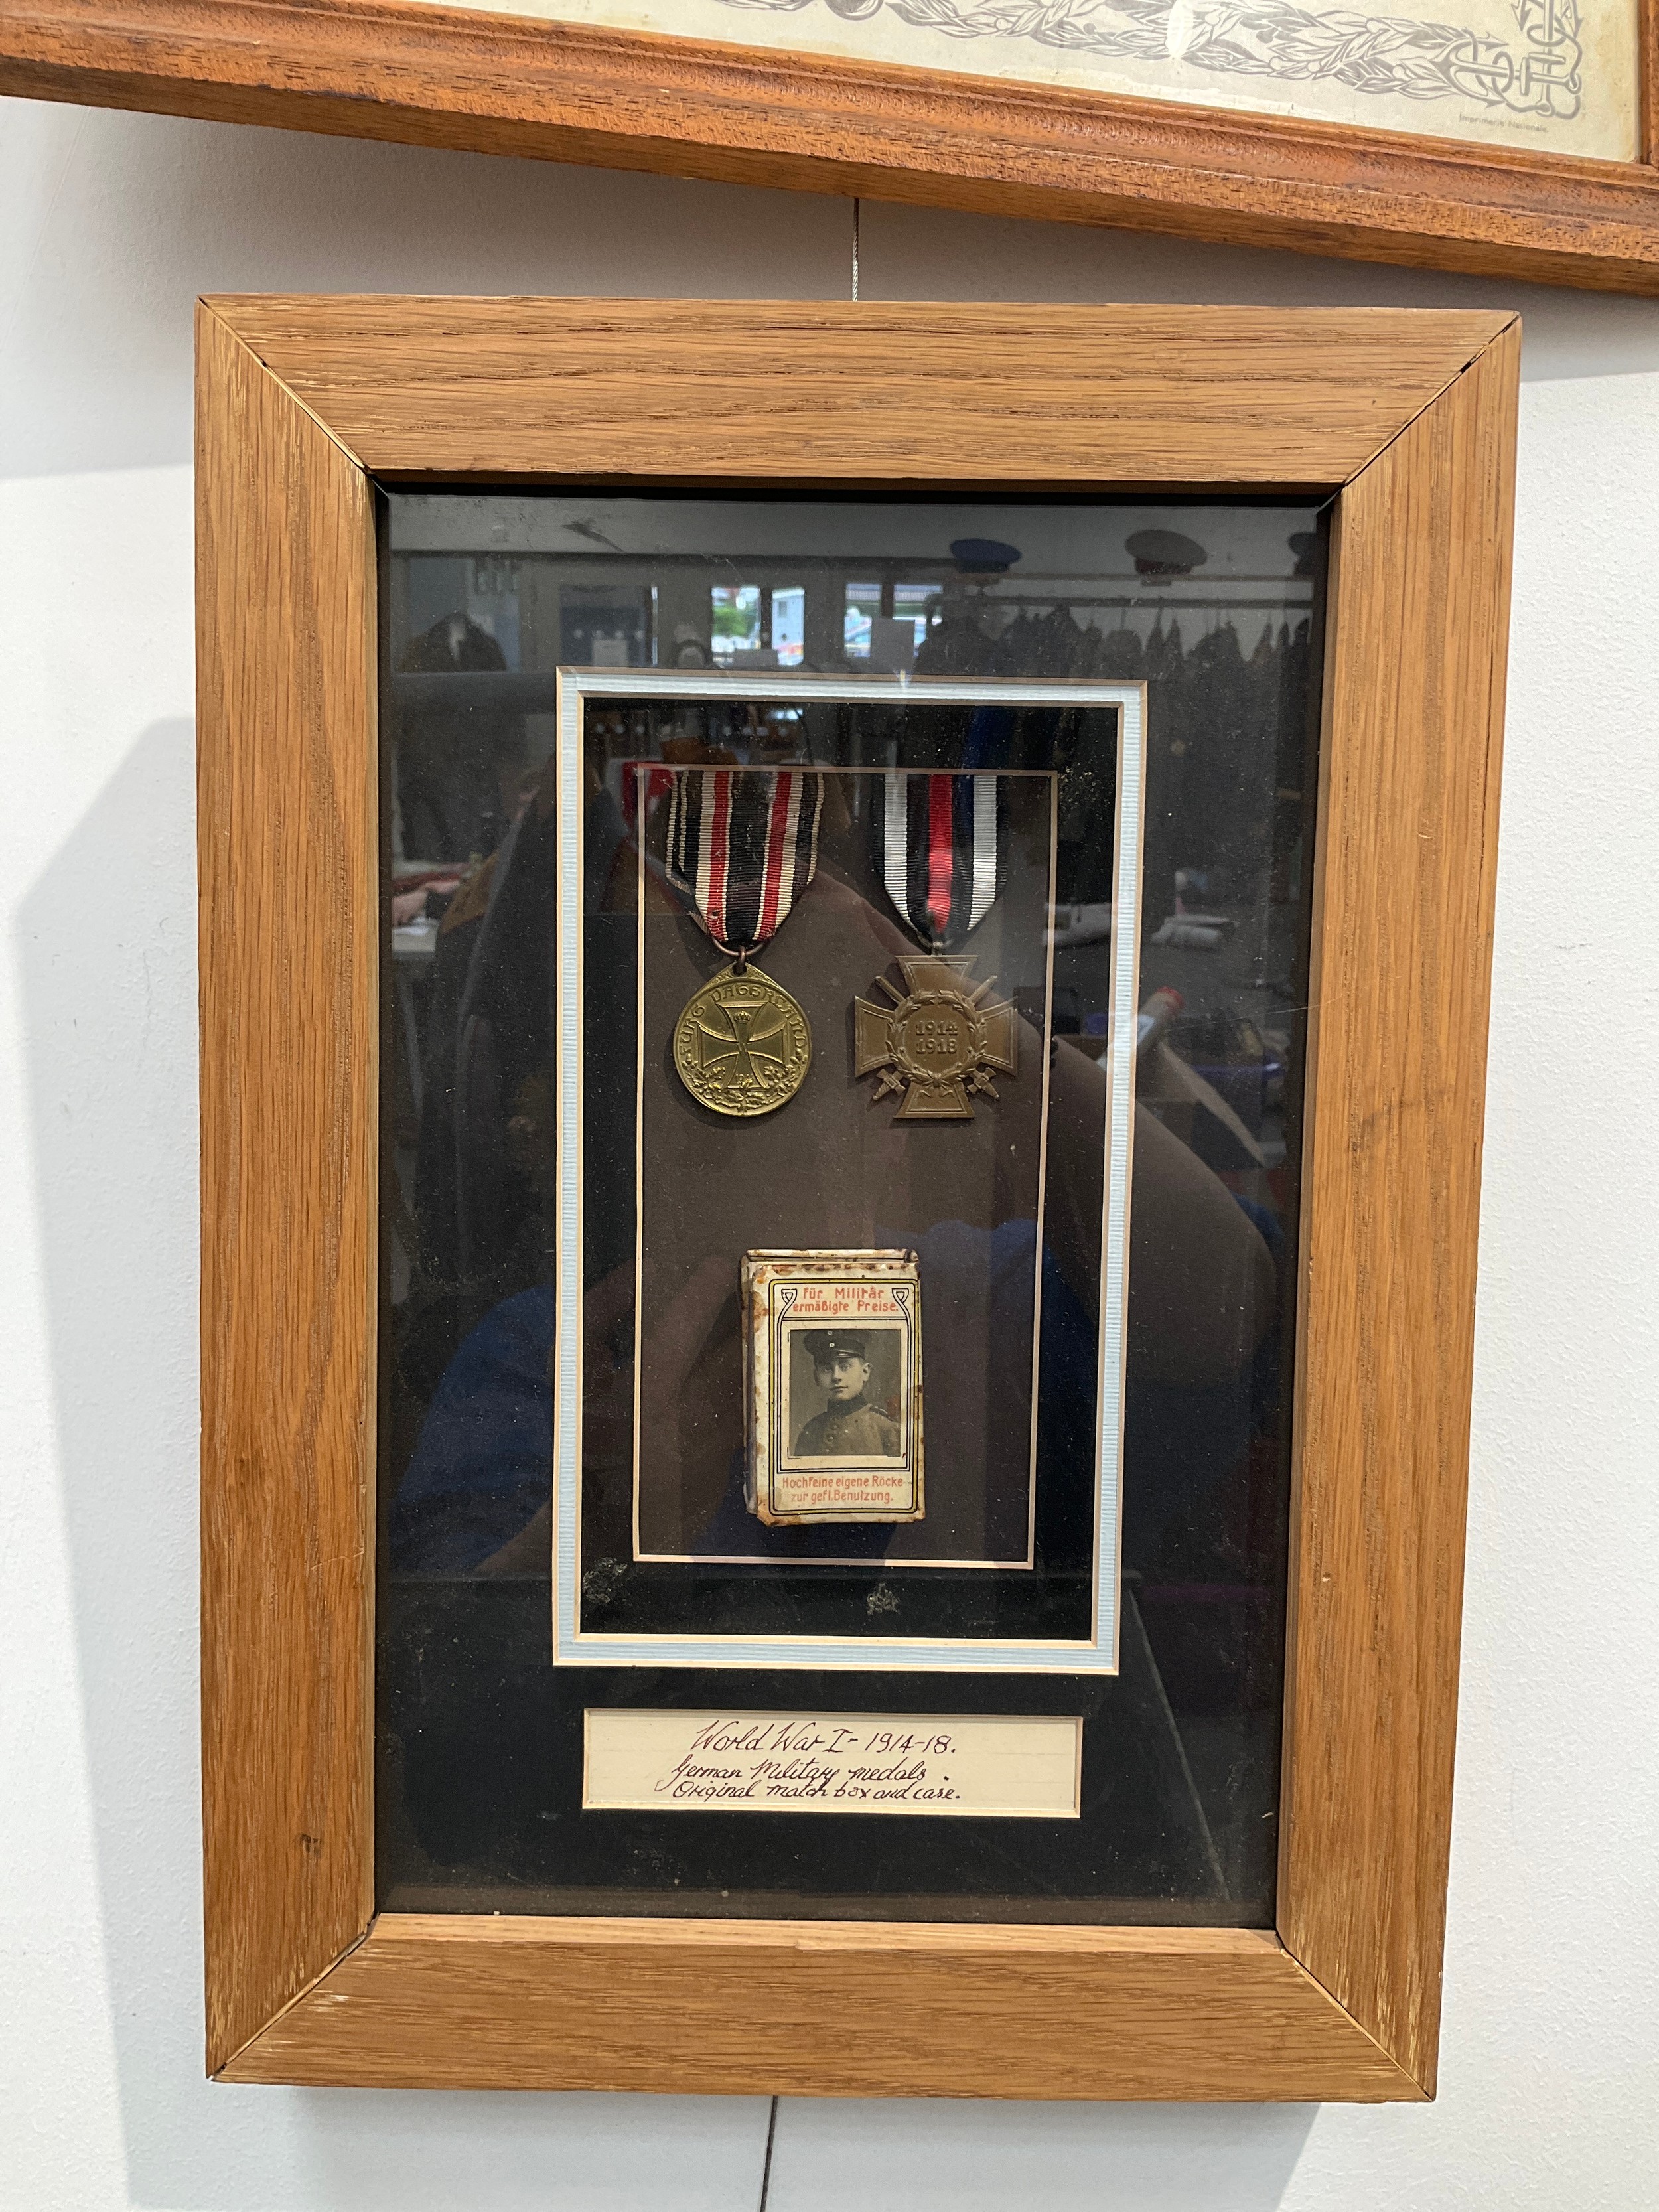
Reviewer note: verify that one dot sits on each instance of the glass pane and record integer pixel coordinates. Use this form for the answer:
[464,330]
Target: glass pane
[789,626]
[1215,610]
[735,620]
[863,603]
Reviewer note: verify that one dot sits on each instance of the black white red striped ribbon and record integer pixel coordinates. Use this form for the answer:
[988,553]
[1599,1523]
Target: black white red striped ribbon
[743,845]
[940,852]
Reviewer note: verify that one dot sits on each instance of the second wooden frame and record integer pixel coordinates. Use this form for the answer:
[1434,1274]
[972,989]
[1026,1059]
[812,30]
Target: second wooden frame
[496,83]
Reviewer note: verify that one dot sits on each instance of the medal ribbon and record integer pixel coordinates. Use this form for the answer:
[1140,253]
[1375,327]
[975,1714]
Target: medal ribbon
[743,845]
[940,852]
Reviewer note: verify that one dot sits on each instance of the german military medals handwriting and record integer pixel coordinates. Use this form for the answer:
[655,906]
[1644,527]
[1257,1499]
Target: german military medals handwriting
[743,845]
[938,1044]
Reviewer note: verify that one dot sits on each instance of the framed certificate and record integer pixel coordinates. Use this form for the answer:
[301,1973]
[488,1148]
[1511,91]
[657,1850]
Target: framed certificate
[842,1097]
[1513,140]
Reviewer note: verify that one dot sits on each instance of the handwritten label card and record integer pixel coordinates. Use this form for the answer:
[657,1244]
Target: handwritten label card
[978,1766]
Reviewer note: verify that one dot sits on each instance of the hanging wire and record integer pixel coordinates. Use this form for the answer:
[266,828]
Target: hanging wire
[855,249]
[771,2125]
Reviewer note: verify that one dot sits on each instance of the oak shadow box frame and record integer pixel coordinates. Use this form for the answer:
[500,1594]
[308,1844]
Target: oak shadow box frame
[1409,419]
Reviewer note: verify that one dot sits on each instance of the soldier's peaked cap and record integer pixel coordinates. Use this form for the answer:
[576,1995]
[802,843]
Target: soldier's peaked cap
[826,1343]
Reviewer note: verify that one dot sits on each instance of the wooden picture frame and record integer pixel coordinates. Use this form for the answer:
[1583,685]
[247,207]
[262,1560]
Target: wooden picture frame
[1409,419]
[476,79]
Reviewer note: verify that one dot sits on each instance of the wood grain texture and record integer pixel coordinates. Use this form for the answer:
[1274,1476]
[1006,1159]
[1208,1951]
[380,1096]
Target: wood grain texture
[288,797]
[1423,406]
[1408,815]
[644,391]
[849,2010]
[499,84]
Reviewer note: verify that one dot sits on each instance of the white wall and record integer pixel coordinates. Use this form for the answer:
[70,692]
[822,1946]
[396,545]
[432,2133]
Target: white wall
[109,226]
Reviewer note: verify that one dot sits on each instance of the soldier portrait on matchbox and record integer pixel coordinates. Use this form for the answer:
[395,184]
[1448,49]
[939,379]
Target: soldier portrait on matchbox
[833,1349]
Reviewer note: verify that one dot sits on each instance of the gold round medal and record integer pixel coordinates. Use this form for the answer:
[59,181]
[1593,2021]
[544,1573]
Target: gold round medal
[741,1046]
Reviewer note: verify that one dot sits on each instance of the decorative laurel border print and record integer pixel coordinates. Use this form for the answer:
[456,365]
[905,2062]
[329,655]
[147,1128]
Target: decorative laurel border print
[1537,74]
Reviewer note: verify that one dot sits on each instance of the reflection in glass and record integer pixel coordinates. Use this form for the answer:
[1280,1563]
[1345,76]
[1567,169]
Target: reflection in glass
[480,1737]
